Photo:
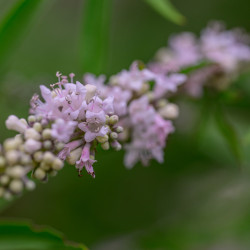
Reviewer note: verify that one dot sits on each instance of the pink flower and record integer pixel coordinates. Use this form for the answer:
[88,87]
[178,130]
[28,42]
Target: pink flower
[62,130]
[86,161]
[94,125]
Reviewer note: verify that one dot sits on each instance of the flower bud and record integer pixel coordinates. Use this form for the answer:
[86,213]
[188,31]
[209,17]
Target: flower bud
[38,156]
[171,111]
[46,134]
[47,144]
[57,164]
[14,123]
[12,156]
[91,91]
[31,146]
[45,166]
[31,133]
[38,126]
[30,185]
[16,186]
[40,174]
[102,139]
[113,119]
[113,135]
[4,179]
[119,129]
[16,171]
[48,157]
[31,118]
[105,146]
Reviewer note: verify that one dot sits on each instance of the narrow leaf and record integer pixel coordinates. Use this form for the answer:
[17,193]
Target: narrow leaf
[12,27]
[167,10]
[95,35]
[23,236]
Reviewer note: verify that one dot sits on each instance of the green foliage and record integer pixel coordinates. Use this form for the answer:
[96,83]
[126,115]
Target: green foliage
[167,10]
[95,34]
[12,27]
[22,236]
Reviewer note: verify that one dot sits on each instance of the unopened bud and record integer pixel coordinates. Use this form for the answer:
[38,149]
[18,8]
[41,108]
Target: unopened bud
[113,119]
[38,156]
[38,126]
[46,134]
[16,171]
[4,179]
[105,146]
[91,91]
[57,164]
[48,157]
[47,144]
[31,118]
[30,185]
[31,133]
[12,156]
[40,174]
[113,135]
[171,111]
[102,139]
[16,186]
[119,129]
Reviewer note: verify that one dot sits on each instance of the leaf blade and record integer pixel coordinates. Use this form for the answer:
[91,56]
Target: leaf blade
[167,10]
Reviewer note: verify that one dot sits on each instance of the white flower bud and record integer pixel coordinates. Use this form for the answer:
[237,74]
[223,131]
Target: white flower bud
[113,119]
[12,156]
[40,174]
[74,156]
[44,166]
[113,135]
[24,121]
[171,111]
[38,156]
[25,159]
[4,179]
[31,146]
[119,129]
[16,186]
[31,133]
[60,146]
[47,144]
[14,123]
[16,171]
[46,134]
[31,118]
[7,195]
[105,146]
[10,144]
[102,139]
[48,157]
[30,185]
[38,126]
[57,164]
[91,91]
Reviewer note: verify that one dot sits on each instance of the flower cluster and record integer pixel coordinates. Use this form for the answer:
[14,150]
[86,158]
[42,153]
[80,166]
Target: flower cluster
[69,125]
[140,102]
[222,53]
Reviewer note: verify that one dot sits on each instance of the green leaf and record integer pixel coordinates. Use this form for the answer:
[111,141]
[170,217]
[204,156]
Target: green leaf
[23,236]
[95,35]
[12,27]
[167,10]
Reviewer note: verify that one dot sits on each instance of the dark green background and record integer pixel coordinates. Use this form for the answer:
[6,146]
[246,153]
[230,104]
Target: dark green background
[197,199]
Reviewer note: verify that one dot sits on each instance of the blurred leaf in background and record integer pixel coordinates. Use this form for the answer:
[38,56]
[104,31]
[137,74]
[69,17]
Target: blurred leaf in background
[23,236]
[167,10]
[13,25]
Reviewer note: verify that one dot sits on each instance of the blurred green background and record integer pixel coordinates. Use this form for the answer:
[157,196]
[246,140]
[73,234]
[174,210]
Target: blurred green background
[198,199]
